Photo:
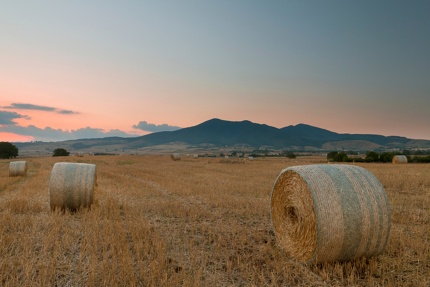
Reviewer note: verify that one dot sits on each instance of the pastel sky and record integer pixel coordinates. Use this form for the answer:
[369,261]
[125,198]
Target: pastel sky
[83,69]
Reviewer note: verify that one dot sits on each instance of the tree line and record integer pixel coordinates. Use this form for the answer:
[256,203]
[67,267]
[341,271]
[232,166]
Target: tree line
[9,150]
[373,156]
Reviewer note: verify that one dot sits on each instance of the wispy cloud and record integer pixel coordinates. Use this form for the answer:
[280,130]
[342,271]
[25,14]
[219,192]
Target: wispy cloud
[21,106]
[50,134]
[145,126]
[7,118]
[67,112]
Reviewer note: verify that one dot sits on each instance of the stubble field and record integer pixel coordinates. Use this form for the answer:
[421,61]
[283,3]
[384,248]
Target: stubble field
[193,222]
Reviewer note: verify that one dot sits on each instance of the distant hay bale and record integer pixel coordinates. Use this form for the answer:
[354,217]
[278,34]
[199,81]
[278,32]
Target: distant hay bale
[400,159]
[175,156]
[71,185]
[326,213]
[18,168]
[196,156]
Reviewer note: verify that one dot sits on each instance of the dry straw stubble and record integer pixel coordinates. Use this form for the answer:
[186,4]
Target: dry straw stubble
[18,168]
[326,213]
[72,185]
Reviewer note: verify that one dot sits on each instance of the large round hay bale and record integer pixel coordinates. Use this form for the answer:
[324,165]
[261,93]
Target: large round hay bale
[400,159]
[175,156]
[71,185]
[18,168]
[326,213]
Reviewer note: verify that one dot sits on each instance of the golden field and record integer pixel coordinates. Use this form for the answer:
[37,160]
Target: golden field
[193,222]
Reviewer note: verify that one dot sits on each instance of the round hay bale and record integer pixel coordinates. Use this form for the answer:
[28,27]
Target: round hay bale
[175,156]
[326,213]
[72,185]
[400,159]
[18,168]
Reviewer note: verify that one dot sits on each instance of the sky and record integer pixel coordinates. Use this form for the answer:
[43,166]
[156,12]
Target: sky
[87,69]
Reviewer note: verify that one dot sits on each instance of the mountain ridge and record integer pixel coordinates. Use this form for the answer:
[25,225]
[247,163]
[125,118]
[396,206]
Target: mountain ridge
[221,133]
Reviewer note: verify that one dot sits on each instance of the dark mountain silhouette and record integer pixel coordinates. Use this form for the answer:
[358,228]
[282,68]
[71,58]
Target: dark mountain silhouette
[317,137]
[221,133]
[228,133]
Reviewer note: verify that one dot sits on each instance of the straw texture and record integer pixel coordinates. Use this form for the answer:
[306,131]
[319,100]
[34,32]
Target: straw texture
[18,168]
[400,159]
[71,185]
[175,156]
[326,213]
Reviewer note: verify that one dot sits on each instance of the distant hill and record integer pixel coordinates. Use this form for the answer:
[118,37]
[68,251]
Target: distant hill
[319,137]
[221,133]
[228,133]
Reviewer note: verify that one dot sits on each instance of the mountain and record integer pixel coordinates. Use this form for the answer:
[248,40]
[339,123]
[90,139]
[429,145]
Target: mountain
[220,133]
[228,133]
[318,137]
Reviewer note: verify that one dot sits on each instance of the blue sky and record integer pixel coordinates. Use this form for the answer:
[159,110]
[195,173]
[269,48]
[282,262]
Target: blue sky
[131,67]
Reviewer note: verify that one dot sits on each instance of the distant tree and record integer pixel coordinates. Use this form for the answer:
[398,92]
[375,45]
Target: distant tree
[386,156]
[291,155]
[60,152]
[331,155]
[8,150]
[372,156]
[340,157]
[420,159]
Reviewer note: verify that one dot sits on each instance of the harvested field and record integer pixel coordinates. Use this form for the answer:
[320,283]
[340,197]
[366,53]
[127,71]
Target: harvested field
[195,222]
